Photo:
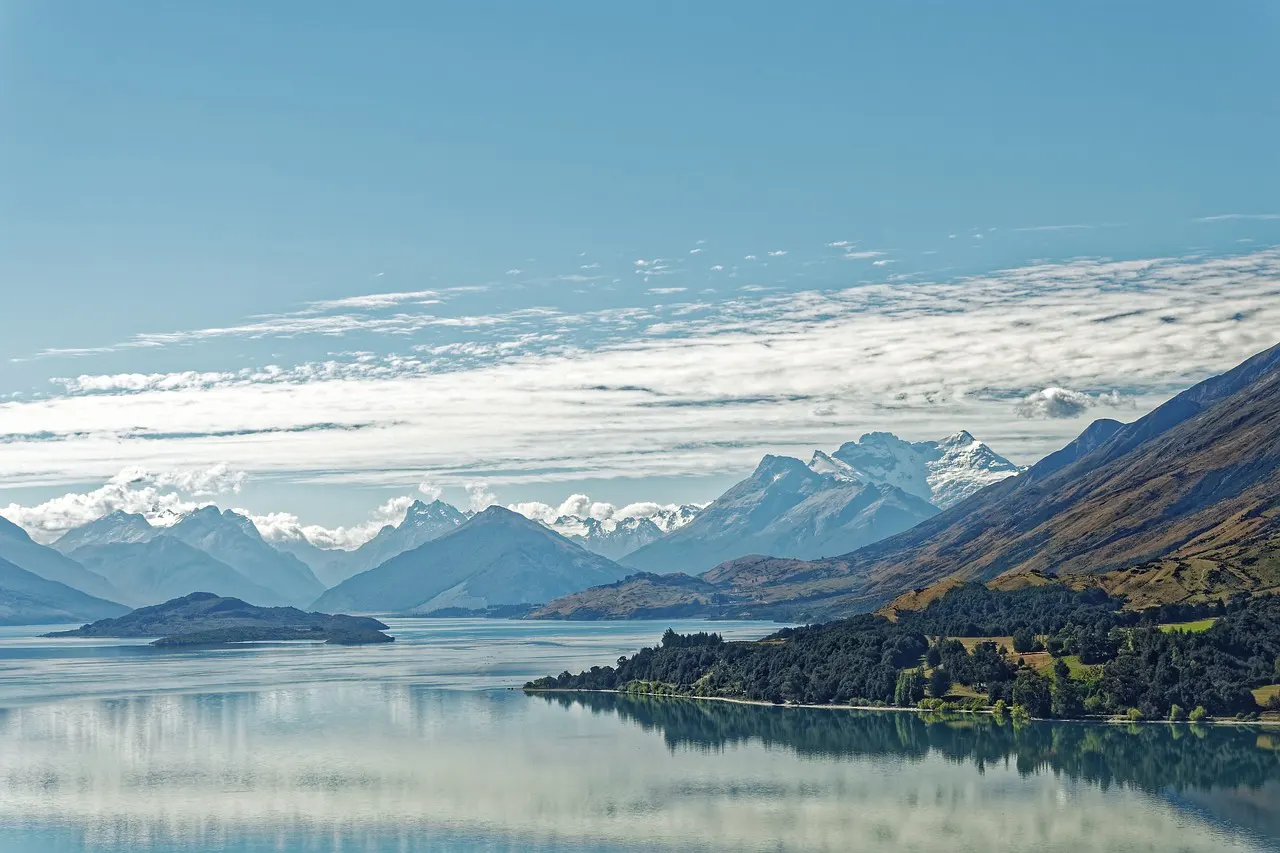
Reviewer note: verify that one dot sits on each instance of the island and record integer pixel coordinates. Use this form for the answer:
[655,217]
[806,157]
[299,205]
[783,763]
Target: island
[203,619]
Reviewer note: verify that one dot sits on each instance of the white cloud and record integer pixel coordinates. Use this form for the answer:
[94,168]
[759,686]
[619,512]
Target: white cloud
[160,496]
[695,251]
[664,291]
[479,496]
[882,263]
[717,267]
[1223,217]
[649,392]
[860,256]
[1054,228]
[1055,402]
[749,258]
[777,253]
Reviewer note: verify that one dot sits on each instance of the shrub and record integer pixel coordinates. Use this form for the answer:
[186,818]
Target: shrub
[1176,713]
[1134,715]
[1197,714]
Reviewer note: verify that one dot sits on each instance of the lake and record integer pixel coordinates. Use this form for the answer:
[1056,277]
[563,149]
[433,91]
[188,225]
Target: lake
[109,745]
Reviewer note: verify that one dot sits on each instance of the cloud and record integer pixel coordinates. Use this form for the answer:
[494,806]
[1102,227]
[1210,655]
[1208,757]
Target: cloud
[1054,228]
[777,253]
[859,256]
[664,291]
[1057,402]
[160,496]
[737,378]
[717,267]
[479,496]
[695,251]
[882,263]
[749,258]
[1224,217]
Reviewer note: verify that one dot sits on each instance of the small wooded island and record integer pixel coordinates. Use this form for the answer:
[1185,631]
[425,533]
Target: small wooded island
[202,619]
[1045,650]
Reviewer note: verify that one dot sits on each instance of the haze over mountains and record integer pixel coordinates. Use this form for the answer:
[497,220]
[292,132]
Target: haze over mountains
[1185,500]
[866,490]
[496,557]
[1180,504]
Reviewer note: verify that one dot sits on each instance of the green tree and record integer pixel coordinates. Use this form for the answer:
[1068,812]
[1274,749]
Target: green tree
[1023,640]
[1197,714]
[939,682]
[1031,691]
[909,689]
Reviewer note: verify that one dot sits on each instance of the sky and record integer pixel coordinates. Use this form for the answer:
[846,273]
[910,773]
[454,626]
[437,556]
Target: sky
[314,259]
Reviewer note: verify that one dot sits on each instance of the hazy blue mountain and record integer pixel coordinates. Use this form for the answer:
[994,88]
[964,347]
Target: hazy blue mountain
[119,526]
[28,599]
[165,568]
[232,539]
[25,553]
[496,557]
[422,522]
[784,509]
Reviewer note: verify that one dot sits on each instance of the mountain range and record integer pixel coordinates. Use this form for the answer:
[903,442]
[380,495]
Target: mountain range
[1186,497]
[28,599]
[497,557]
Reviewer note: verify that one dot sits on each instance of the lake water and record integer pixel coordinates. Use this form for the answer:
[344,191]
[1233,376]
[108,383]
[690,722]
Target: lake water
[420,746]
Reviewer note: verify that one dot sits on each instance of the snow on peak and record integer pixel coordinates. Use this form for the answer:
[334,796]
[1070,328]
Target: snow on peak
[941,472]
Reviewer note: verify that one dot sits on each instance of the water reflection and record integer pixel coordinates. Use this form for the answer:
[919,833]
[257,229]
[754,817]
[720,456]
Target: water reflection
[388,767]
[1152,758]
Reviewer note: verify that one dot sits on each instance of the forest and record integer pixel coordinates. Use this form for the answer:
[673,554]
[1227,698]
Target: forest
[1039,652]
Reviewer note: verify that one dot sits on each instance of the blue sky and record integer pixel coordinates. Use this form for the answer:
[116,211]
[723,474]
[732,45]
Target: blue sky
[627,249]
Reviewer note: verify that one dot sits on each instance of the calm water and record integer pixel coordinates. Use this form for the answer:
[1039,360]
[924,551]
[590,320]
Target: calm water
[112,746]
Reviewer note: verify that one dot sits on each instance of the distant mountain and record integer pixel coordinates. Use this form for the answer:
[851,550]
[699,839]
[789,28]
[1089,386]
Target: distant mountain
[28,599]
[941,472]
[639,596]
[612,538]
[496,557]
[1196,479]
[232,539]
[785,508]
[203,618]
[165,568]
[19,548]
[422,522]
[119,526]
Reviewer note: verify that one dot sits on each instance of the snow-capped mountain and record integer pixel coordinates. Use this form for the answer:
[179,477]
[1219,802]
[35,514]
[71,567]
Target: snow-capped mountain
[785,508]
[941,472]
[116,528]
[422,522]
[616,537]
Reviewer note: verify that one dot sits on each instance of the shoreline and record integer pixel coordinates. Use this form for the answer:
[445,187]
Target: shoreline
[899,709]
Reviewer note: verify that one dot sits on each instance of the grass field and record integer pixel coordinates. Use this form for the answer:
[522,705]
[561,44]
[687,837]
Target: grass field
[1190,627]
[1262,694]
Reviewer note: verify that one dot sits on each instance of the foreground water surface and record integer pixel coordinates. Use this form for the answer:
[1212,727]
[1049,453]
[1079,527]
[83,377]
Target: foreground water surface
[421,745]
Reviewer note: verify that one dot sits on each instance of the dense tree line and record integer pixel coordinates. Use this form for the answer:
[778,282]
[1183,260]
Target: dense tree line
[1121,661]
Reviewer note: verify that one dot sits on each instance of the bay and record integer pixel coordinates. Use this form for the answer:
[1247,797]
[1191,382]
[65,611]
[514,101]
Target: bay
[109,745]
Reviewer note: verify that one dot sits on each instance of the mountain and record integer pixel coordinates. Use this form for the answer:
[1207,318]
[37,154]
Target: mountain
[785,508]
[496,557]
[1197,478]
[119,526]
[19,548]
[422,522]
[28,599]
[164,568]
[640,596]
[232,539]
[612,538]
[203,618]
[941,472]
